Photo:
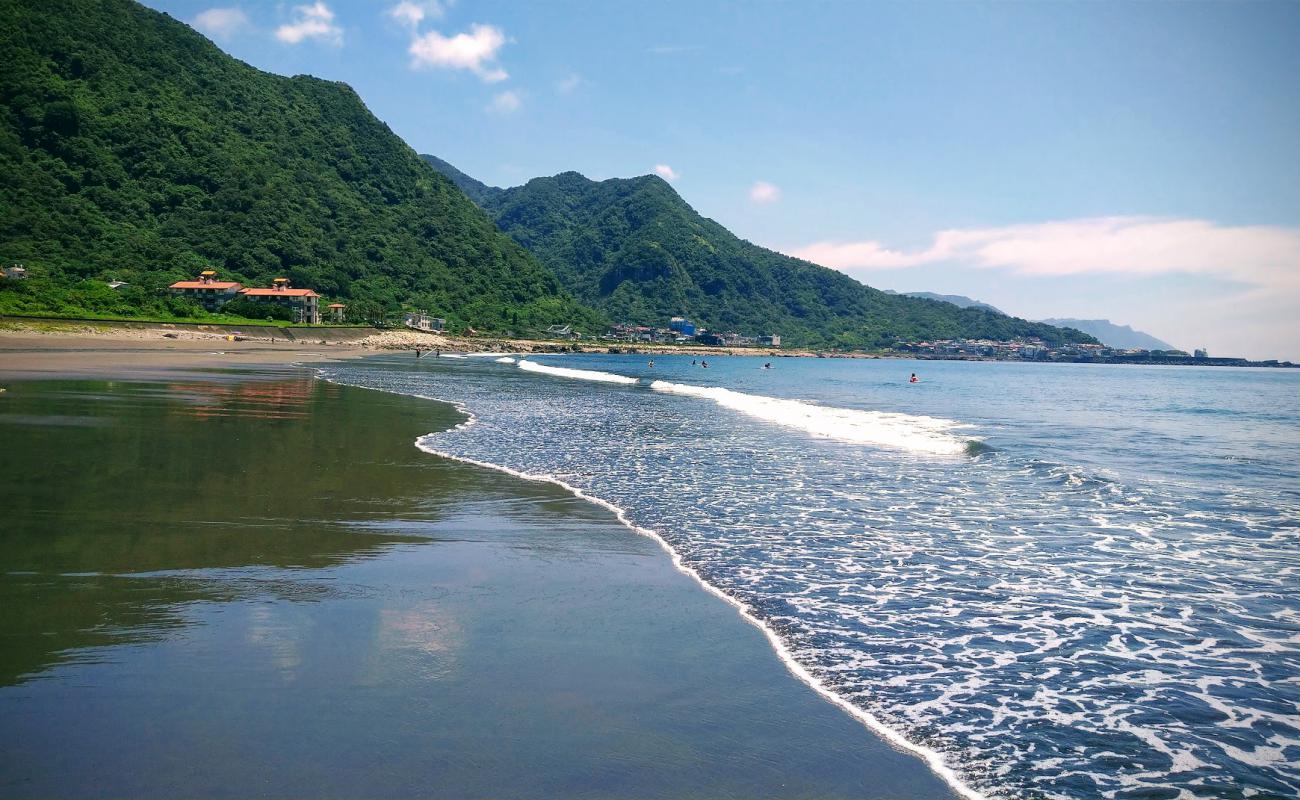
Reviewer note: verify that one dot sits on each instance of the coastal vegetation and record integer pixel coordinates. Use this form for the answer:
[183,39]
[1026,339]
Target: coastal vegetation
[635,250]
[133,149]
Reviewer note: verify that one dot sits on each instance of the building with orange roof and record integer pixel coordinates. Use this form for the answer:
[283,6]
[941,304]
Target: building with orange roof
[206,290]
[304,302]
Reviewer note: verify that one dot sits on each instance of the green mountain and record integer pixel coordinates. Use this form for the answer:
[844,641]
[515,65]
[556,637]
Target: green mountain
[474,189]
[635,250]
[132,148]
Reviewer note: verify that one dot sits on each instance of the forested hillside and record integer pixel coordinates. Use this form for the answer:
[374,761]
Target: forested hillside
[132,148]
[636,251]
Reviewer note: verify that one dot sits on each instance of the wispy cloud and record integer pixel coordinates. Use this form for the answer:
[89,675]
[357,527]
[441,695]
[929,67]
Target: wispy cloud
[506,102]
[569,82]
[764,192]
[410,14]
[1261,255]
[475,51]
[222,23]
[666,172]
[315,21]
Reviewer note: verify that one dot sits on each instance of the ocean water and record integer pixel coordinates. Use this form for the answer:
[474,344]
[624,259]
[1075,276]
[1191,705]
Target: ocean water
[1063,581]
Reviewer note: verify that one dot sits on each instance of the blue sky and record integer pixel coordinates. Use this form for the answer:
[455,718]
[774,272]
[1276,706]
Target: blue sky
[1139,162]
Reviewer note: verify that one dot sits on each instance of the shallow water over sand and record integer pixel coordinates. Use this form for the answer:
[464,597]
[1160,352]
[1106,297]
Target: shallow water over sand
[253,585]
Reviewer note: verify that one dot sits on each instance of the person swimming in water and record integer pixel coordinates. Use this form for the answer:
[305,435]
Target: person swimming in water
[704,364]
[652,362]
[768,365]
[914,379]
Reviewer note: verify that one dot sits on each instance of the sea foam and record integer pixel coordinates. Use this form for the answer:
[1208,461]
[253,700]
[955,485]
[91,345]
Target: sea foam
[577,374]
[932,435]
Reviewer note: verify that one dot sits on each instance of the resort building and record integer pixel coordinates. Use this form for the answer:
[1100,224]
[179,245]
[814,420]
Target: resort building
[337,312]
[206,290]
[304,302]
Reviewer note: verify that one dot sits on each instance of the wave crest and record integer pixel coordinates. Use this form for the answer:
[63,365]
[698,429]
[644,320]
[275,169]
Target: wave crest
[918,434]
[577,374]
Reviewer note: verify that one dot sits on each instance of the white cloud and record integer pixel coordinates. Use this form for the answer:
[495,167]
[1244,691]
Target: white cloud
[475,51]
[315,21]
[569,82]
[666,172]
[506,102]
[222,23]
[1261,255]
[410,14]
[764,192]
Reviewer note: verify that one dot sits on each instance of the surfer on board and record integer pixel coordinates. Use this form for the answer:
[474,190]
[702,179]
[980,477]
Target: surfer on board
[914,379]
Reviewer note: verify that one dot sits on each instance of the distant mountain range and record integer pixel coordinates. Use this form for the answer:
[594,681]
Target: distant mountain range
[636,251]
[1112,335]
[1106,332]
[961,301]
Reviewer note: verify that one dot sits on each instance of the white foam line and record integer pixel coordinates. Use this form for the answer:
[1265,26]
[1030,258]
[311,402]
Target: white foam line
[931,757]
[580,374]
[912,432]
[504,360]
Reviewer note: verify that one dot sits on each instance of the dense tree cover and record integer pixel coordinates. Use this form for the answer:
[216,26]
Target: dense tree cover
[132,148]
[635,250]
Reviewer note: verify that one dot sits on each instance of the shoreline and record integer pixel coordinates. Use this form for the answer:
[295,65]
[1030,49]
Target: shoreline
[341,341]
[107,362]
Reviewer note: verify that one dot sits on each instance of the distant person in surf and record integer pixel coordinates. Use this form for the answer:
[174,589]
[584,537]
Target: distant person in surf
[768,365]
[914,379]
[652,362]
[704,364]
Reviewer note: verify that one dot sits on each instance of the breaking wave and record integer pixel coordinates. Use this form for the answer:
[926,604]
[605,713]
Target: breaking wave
[918,434]
[576,374]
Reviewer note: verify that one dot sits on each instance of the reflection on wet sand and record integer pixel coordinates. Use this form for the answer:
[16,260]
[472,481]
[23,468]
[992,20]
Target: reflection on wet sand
[185,478]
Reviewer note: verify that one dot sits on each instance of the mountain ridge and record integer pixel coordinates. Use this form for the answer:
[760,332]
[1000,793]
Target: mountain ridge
[1113,334]
[635,250]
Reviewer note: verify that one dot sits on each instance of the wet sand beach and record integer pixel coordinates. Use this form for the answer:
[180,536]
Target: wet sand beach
[225,581]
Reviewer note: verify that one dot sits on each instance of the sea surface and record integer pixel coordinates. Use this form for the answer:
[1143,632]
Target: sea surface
[1063,581]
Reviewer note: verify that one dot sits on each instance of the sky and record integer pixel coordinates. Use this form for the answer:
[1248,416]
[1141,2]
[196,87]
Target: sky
[1138,162]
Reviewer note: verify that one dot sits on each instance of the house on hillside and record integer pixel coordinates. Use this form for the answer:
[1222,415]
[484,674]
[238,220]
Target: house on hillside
[206,290]
[770,340]
[305,303]
[563,332]
[421,321]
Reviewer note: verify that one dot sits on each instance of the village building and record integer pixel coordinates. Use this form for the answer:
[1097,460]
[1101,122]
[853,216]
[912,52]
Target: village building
[206,290]
[304,302]
[421,321]
[337,312]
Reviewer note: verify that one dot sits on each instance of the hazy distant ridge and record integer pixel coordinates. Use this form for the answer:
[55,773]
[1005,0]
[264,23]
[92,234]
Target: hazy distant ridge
[1108,333]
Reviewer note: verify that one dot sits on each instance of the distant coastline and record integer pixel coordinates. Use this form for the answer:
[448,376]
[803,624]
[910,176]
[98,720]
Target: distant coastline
[363,339]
